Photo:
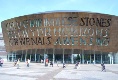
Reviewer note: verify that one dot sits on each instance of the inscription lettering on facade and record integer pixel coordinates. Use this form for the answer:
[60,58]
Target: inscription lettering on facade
[60,29]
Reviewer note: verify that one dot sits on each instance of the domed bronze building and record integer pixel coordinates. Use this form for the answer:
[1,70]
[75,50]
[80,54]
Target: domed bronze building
[64,36]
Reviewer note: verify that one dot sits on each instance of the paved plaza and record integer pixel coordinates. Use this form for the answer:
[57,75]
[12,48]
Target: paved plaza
[37,71]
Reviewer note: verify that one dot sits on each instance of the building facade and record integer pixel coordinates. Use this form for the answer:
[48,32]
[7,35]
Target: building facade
[3,53]
[62,36]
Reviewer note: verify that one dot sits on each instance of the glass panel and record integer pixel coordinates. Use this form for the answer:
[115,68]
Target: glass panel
[92,58]
[97,58]
[59,58]
[67,58]
[105,58]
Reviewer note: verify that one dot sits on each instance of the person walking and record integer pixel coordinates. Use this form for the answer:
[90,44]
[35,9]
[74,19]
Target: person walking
[46,62]
[28,62]
[15,62]
[57,64]
[41,60]
[18,61]
[64,65]
[103,67]
[51,63]
[76,65]
[79,64]
[1,62]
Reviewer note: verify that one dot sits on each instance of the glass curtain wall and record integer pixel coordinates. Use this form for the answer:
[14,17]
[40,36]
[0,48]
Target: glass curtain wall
[85,56]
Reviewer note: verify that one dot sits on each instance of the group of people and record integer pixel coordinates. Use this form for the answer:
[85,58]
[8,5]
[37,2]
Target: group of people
[51,62]
[102,66]
[16,62]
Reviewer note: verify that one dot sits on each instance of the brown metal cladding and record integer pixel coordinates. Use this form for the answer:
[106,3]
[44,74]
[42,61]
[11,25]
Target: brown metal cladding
[50,30]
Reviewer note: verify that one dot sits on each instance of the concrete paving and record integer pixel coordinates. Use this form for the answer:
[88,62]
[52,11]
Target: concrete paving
[37,71]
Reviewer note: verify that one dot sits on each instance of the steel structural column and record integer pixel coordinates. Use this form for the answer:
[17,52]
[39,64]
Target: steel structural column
[53,55]
[101,58]
[26,56]
[112,58]
[35,57]
[15,55]
[72,57]
[94,57]
[7,56]
[35,54]
[90,56]
[82,57]
[21,55]
[44,55]
[30,55]
[109,57]
[39,58]
[12,56]
[63,56]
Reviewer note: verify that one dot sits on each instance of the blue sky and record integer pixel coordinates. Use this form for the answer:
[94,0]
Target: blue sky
[15,8]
